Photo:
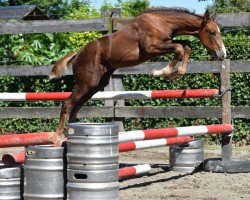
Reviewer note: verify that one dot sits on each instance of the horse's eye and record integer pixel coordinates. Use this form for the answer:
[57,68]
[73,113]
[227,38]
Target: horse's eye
[212,33]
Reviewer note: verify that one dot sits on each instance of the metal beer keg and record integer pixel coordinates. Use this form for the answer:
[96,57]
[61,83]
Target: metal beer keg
[186,158]
[44,173]
[95,143]
[10,183]
[92,153]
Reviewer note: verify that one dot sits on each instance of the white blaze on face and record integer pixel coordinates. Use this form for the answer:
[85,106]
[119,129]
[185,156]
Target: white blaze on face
[223,48]
[218,29]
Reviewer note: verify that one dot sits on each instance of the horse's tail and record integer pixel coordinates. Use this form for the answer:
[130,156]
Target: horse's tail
[61,66]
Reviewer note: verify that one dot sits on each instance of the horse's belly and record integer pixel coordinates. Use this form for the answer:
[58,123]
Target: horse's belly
[126,58]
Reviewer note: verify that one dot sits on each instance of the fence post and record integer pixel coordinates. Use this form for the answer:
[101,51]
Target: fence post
[115,82]
[226,109]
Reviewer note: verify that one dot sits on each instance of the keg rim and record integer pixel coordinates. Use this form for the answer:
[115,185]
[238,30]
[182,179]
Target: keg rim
[92,129]
[44,151]
[10,172]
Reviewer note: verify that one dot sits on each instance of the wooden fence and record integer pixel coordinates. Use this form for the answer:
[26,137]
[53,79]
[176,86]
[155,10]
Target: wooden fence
[112,109]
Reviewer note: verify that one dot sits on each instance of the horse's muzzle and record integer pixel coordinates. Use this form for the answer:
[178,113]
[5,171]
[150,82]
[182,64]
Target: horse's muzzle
[221,53]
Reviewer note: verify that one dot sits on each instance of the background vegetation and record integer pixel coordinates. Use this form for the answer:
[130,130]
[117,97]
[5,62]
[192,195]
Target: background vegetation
[38,49]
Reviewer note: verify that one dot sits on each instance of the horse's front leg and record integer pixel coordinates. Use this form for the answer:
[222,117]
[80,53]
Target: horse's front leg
[188,48]
[179,53]
[167,71]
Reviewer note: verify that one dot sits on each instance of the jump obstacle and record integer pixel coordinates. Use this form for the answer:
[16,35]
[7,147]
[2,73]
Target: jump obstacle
[29,139]
[174,132]
[152,139]
[133,170]
[128,141]
[113,95]
[19,157]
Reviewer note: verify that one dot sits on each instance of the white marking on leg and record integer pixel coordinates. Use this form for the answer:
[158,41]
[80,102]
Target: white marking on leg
[161,72]
[157,72]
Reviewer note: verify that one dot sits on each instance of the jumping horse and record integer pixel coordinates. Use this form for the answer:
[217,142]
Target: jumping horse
[148,35]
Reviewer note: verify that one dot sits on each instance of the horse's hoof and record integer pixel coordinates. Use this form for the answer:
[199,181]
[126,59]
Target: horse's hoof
[166,71]
[181,72]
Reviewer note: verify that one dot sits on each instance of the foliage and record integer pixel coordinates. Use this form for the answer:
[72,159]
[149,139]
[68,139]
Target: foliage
[35,49]
[230,6]
[38,49]
[133,8]
[129,8]
[83,12]
[55,9]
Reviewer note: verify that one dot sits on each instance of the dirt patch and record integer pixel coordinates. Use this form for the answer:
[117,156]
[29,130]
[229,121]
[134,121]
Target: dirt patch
[161,183]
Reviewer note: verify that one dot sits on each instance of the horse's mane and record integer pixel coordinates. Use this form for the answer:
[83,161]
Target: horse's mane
[169,10]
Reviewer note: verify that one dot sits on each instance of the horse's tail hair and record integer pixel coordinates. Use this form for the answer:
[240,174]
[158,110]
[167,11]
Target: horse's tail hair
[61,66]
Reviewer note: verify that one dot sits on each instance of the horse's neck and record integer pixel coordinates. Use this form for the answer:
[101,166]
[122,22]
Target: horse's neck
[187,25]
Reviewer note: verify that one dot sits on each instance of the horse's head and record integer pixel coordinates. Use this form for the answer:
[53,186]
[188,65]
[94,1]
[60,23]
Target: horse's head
[210,36]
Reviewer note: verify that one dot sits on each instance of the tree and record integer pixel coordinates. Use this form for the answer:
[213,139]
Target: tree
[54,8]
[129,8]
[133,8]
[230,6]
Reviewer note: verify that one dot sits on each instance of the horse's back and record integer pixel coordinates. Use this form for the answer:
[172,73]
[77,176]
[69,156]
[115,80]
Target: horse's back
[121,49]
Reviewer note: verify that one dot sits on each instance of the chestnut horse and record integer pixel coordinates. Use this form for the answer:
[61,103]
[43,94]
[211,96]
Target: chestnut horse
[147,36]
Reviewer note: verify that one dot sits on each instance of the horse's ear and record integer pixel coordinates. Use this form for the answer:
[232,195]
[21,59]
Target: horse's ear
[213,16]
[207,15]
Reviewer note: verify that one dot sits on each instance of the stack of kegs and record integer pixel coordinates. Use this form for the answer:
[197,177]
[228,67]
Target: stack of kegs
[92,159]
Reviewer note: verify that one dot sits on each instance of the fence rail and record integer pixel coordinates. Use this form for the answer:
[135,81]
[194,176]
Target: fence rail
[52,26]
[179,112]
[145,68]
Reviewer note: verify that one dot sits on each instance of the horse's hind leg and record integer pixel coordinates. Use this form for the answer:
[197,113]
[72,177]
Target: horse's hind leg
[85,96]
[104,81]
[66,109]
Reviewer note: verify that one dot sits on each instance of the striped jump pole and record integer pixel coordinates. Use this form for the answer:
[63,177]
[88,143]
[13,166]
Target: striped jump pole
[113,95]
[29,139]
[174,132]
[133,170]
[131,146]
[123,147]
[11,159]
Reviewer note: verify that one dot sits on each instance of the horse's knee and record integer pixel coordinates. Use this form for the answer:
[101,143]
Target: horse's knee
[179,50]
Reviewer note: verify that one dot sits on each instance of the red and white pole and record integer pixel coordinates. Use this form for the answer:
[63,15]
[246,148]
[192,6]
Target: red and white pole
[112,95]
[146,144]
[174,132]
[133,170]
[29,139]
[123,147]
